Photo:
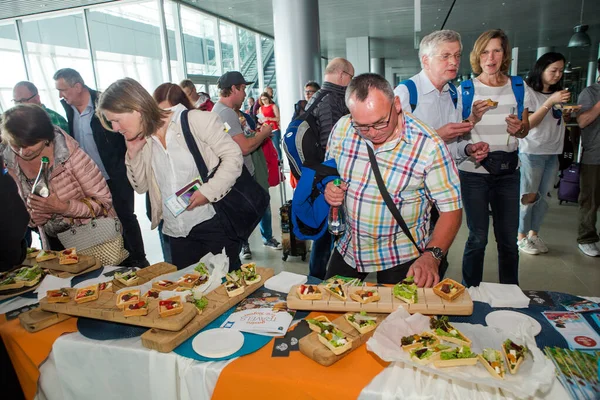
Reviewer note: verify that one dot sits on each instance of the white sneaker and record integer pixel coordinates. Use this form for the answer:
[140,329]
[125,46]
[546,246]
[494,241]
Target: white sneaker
[589,249]
[538,243]
[526,246]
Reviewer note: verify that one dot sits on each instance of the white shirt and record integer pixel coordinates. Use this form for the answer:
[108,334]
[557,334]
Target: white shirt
[174,167]
[548,137]
[492,127]
[435,108]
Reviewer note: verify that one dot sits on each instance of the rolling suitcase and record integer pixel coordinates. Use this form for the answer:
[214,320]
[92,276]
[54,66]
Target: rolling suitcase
[568,186]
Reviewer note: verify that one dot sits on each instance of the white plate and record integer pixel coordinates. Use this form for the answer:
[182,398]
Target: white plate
[509,320]
[218,343]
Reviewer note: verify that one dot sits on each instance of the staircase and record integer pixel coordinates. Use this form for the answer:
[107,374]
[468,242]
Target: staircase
[249,69]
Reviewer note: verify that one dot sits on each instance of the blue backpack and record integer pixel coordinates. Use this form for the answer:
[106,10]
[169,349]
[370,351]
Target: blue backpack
[302,140]
[468,91]
[413,96]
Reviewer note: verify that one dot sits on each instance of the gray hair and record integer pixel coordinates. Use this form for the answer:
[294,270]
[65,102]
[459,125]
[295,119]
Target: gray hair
[431,42]
[70,76]
[359,87]
[30,86]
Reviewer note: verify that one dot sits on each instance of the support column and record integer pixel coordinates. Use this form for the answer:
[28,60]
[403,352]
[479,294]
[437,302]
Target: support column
[515,61]
[297,51]
[543,50]
[378,66]
[357,52]
[389,76]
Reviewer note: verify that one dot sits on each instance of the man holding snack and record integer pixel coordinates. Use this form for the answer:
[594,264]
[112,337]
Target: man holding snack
[418,173]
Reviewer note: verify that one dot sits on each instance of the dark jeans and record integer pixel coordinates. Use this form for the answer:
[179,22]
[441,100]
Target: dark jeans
[319,256]
[501,193]
[123,202]
[164,244]
[589,202]
[337,266]
[206,237]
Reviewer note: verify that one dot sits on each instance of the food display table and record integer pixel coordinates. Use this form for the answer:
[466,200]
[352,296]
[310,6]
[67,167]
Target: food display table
[76,367]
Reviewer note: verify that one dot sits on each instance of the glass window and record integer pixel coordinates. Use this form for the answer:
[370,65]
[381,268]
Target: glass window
[54,43]
[199,35]
[227,43]
[247,45]
[171,21]
[268,54]
[12,69]
[126,43]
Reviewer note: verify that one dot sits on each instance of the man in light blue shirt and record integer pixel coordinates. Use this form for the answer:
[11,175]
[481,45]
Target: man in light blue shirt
[82,130]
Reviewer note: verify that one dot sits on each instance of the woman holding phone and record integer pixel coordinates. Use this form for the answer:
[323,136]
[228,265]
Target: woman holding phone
[159,162]
[539,151]
[494,182]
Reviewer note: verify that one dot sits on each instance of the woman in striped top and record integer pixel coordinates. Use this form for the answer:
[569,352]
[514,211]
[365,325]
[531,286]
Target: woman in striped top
[493,183]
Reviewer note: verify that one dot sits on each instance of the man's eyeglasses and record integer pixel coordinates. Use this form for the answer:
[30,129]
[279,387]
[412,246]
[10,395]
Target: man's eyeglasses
[310,91]
[377,126]
[348,73]
[447,56]
[19,101]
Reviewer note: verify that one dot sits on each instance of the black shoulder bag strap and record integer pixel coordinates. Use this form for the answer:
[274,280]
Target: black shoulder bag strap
[388,199]
[193,147]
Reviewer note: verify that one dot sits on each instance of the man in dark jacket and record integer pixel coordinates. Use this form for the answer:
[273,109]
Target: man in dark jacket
[107,149]
[330,108]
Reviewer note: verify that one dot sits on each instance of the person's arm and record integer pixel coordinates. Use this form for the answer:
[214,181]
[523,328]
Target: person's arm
[276,112]
[590,115]
[15,218]
[249,144]
[561,96]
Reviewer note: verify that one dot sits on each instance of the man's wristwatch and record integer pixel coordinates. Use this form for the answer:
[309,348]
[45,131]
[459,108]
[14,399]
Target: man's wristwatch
[436,252]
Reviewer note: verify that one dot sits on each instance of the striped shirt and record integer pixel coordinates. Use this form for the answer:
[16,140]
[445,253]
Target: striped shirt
[492,127]
[418,171]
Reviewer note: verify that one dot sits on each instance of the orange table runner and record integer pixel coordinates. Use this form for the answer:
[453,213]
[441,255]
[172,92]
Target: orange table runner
[28,350]
[258,375]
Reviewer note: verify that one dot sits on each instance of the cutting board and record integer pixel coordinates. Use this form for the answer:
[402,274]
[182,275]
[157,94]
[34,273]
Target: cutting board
[105,308]
[312,348]
[64,274]
[428,303]
[37,319]
[84,263]
[147,274]
[218,303]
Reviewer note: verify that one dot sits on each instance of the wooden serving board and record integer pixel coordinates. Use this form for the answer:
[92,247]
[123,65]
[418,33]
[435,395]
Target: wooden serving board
[312,348]
[63,274]
[147,274]
[428,303]
[37,319]
[9,294]
[84,263]
[218,303]
[105,308]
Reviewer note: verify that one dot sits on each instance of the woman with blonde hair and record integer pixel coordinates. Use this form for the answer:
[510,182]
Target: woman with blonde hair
[159,162]
[493,182]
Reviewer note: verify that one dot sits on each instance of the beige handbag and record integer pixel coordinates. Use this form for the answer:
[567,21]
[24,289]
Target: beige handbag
[101,237]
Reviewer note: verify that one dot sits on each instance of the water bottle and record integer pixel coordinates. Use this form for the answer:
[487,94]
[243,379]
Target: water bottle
[40,186]
[337,219]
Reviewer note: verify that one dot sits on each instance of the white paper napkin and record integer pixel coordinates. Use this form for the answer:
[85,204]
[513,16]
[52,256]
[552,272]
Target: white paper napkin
[51,282]
[500,295]
[283,281]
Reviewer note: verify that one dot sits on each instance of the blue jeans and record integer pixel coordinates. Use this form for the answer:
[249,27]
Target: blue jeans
[319,256]
[164,243]
[501,192]
[538,173]
[277,142]
[266,228]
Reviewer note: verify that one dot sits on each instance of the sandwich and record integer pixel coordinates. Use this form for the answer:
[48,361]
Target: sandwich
[45,255]
[424,355]
[7,282]
[335,340]
[514,354]
[361,321]
[201,304]
[406,290]
[492,361]
[136,309]
[128,278]
[127,297]
[235,276]
[443,330]
[448,289]
[68,256]
[309,292]
[336,289]
[32,252]
[88,293]
[459,356]
[250,275]
[28,276]
[164,284]
[412,342]
[105,286]
[188,280]
[170,306]
[58,296]
[234,288]
[152,294]
[202,271]
[365,296]
[491,103]
[320,323]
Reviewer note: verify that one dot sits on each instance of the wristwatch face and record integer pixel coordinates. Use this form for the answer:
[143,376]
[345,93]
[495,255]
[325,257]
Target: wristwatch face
[436,252]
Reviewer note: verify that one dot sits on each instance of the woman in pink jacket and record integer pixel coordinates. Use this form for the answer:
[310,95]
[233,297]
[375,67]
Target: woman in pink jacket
[27,136]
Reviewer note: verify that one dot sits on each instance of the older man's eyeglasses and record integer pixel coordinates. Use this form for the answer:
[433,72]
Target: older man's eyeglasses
[20,101]
[348,73]
[377,126]
[447,56]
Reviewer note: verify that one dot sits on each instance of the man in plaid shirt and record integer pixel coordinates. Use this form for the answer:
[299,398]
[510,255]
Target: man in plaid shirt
[418,172]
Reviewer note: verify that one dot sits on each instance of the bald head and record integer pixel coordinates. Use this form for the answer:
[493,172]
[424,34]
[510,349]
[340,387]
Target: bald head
[26,92]
[339,71]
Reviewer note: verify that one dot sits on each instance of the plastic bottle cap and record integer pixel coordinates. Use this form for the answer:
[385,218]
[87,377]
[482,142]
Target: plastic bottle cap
[337,181]
[45,159]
